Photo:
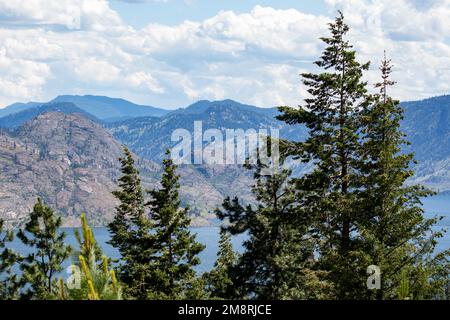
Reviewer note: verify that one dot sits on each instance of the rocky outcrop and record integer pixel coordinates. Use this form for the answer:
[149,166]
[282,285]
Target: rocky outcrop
[68,161]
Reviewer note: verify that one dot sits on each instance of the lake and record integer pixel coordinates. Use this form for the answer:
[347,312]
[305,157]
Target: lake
[209,236]
[439,205]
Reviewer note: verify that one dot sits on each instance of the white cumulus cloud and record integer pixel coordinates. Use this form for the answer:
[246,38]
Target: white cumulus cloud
[83,46]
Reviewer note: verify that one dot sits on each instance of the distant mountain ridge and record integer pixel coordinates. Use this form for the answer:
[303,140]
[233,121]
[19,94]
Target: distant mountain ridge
[72,163]
[101,107]
[150,137]
[18,107]
[203,105]
[426,124]
[15,120]
[110,109]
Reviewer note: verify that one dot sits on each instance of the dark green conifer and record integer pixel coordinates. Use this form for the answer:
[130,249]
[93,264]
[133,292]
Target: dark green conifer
[9,282]
[332,116]
[131,231]
[48,251]
[218,281]
[172,266]
[278,260]
[399,238]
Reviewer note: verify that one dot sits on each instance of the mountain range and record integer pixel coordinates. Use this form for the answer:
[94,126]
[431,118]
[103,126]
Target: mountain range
[101,107]
[66,151]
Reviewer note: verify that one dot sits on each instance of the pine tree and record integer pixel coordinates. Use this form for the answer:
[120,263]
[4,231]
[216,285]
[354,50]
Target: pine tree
[46,241]
[131,231]
[278,261]
[399,239]
[9,282]
[96,280]
[218,281]
[403,288]
[332,117]
[174,276]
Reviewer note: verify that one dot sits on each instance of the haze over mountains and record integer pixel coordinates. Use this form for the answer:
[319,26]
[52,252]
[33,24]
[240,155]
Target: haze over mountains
[101,107]
[227,114]
[66,151]
[427,127]
[15,120]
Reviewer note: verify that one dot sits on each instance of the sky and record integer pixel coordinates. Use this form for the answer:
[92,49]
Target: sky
[171,53]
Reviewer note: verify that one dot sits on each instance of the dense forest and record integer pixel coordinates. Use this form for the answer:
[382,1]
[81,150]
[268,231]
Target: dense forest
[351,228]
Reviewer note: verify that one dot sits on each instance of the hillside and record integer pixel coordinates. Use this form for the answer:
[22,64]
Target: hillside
[149,137]
[427,125]
[68,160]
[69,157]
[72,163]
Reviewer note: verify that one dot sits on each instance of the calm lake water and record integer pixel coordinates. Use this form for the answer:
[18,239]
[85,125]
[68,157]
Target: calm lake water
[209,236]
[439,205]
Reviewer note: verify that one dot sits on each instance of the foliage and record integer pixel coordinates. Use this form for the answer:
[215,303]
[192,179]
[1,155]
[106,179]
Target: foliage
[218,281]
[131,232]
[9,281]
[172,266]
[398,237]
[48,251]
[278,259]
[331,114]
[364,211]
[91,274]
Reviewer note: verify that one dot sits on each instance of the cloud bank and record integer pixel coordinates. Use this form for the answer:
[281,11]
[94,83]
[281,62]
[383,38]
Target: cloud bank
[65,46]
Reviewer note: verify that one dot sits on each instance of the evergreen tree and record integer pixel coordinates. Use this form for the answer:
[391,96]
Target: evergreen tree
[218,281]
[178,250]
[48,251]
[95,280]
[332,116]
[278,260]
[399,239]
[131,231]
[9,282]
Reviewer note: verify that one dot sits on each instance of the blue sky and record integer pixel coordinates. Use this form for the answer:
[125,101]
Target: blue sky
[170,53]
[172,12]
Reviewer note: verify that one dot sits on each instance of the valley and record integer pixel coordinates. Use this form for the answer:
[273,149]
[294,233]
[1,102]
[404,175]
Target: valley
[62,152]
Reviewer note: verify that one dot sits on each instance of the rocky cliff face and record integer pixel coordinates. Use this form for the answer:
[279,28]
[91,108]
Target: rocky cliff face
[66,159]
[72,163]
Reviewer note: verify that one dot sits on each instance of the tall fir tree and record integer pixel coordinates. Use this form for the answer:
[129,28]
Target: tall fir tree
[399,238]
[332,116]
[278,260]
[174,276]
[218,281]
[131,231]
[9,281]
[48,252]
